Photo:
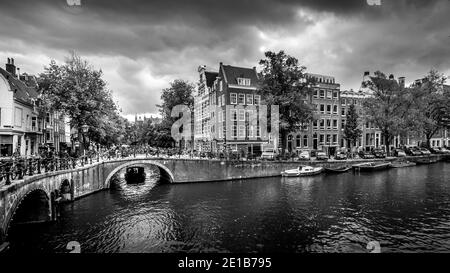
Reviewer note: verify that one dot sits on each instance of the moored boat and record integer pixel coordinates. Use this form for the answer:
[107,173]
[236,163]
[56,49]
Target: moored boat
[341,169]
[426,160]
[371,166]
[135,175]
[402,164]
[302,171]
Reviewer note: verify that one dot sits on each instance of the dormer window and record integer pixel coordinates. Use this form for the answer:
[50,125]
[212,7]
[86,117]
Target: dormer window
[243,81]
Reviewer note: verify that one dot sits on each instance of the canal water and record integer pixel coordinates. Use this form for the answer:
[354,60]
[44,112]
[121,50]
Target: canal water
[404,210]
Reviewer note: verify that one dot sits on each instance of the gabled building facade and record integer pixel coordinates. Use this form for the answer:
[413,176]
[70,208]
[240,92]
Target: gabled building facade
[216,129]
[23,129]
[20,124]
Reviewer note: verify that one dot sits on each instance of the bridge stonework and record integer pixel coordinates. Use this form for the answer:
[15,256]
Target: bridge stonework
[97,176]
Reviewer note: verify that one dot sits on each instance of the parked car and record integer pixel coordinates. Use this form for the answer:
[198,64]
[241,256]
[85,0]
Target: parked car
[366,155]
[304,155]
[340,156]
[321,156]
[270,154]
[399,153]
[435,150]
[424,151]
[413,151]
[378,153]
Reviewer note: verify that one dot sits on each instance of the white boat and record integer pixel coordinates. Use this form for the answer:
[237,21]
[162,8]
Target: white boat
[302,171]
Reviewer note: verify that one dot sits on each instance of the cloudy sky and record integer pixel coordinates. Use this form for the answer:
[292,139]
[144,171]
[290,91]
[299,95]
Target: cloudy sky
[143,45]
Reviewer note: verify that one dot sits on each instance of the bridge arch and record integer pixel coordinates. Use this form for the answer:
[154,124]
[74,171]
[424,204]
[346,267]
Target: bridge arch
[166,173]
[35,192]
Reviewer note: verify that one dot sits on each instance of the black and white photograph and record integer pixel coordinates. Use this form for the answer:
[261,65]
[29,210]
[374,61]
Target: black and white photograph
[224,127]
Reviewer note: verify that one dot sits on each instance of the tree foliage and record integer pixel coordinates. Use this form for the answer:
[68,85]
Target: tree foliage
[431,102]
[352,132]
[180,92]
[283,83]
[78,91]
[388,107]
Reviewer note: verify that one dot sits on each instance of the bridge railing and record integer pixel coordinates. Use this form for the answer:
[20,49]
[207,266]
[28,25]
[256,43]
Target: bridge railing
[17,168]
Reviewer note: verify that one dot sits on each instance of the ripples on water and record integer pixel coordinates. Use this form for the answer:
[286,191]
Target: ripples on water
[405,210]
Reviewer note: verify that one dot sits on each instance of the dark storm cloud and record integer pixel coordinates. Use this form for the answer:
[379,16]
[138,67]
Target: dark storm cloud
[142,45]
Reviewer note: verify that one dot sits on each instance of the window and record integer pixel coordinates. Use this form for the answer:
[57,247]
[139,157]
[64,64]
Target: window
[33,123]
[233,98]
[322,94]
[329,94]
[257,99]
[321,138]
[249,99]
[223,100]
[241,115]
[335,139]
[241,131]
[18,117]
[316,94]
[219,101]
[322,124]
[344,101]
[233,114]
[343,111]
[335,95]
[322,108]
[343,124]
[297,140]
[328,109]
[335,109]
[220,86]
[335,123]
[305,141]
[220,128]
[243,81]
[315,124]
[328,139]
[329,123]
[241,98]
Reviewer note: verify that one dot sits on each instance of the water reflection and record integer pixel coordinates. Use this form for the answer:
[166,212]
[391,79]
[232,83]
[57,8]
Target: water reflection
[404,209]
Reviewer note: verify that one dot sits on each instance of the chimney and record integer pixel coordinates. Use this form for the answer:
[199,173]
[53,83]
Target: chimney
[367,73]
[391,77]
[401,81]
[10,67]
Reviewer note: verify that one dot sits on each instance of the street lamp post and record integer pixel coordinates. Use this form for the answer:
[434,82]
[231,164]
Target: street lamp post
[84,130]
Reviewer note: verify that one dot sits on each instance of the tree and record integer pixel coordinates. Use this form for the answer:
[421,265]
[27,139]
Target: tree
[78,91]
[431,102]
[180,92]
[351,129]
[283,83]
[388,107]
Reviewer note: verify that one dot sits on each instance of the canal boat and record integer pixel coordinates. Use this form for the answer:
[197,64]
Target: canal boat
[341,169]
[371,166]
[135,175]
[302,171]
[426,160]
[402,164]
